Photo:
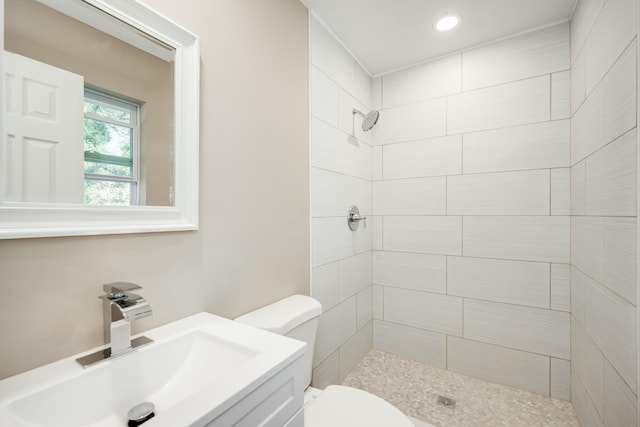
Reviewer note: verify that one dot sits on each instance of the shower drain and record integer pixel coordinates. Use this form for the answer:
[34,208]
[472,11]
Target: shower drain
[446,401]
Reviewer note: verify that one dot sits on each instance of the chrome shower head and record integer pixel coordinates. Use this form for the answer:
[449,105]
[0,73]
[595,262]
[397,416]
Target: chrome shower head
[368,120]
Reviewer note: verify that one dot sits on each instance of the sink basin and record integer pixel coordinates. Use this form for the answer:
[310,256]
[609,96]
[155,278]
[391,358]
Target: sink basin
[195,370]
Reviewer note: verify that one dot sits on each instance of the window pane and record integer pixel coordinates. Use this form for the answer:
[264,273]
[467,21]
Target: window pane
[112,193]
[105,110]
[97,168]
[106,138]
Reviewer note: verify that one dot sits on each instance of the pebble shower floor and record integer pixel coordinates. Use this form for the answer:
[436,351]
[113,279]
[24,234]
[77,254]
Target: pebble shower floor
[414,388]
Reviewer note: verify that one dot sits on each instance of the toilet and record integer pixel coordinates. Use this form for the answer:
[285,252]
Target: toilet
[336,406]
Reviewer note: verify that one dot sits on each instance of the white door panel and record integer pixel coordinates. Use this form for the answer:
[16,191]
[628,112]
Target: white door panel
[42,155]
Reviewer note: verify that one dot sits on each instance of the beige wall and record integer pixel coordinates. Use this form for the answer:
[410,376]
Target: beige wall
[253,244]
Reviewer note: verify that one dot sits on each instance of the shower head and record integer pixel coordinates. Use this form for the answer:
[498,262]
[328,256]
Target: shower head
[369,120]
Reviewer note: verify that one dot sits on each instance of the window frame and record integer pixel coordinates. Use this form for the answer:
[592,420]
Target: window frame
[100,97]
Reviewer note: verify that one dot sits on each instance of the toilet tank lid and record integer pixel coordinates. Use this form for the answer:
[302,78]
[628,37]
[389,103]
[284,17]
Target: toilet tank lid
[284,315]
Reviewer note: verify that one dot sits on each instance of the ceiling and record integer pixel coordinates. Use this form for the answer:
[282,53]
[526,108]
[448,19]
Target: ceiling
[386,35]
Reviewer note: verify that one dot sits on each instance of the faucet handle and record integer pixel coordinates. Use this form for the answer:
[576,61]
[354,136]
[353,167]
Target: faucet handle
[118,290]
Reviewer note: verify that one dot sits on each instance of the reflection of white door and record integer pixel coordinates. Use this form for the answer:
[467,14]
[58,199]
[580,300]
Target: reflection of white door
[42,152]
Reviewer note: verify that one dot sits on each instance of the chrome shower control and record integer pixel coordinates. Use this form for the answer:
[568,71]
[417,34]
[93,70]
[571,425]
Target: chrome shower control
[354,218]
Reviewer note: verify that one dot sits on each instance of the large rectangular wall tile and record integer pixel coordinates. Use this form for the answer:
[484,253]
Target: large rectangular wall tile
[587,126]
[425,119]
[336,326]
[376,93]
[528,55]
[612,31]
[560,191]
[355,274]
[620,403]
[588,364]
[331,148]
[522,328]
[378,302]
[355,349]
[417,344]
[579,284]
[433,79]
[411,271]
[423,196]
[560,379]
[584,16]
[364,307]
[560,95]
[376,165]
[611,178]
[594,419]
[526,238]
[363,87]
[362,238]
[327,372]
[620,95]
[578,81]
[427,234]
[353,191]
[579,188]
[620,257]
[516,282]
[502,365]
[561,287]
[324,193]
[331,58]
[376,232]
[578,397]
[324,97]
[325,284]
[536,146]
[429,157]
[611,323]
[511,104]
[586,245]
[503,193]
[424,310]
[331,240]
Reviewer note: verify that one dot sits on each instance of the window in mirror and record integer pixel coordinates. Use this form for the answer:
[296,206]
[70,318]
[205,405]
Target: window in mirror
[111,150]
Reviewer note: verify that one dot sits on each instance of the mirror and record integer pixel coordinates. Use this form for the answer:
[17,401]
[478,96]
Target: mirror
[100,120]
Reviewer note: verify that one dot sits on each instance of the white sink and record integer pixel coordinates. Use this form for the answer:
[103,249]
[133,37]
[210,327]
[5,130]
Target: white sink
[195,370]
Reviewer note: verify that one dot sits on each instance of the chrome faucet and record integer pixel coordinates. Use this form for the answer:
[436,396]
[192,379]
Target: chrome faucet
[120,307]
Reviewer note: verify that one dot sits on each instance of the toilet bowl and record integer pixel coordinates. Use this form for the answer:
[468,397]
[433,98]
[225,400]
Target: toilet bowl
[336,406]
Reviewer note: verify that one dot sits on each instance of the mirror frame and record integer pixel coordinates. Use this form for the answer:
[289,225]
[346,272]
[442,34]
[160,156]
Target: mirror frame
[53,219]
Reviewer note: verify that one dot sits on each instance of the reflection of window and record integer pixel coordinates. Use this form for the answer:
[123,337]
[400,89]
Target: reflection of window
[111,135]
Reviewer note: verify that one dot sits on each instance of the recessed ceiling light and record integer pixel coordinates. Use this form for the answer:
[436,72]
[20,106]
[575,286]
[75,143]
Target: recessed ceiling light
[447,22]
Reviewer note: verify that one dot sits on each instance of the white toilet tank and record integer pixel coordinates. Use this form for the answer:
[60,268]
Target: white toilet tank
[296,317]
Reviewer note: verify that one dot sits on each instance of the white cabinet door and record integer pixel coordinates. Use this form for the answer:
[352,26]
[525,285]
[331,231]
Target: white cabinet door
[42,152]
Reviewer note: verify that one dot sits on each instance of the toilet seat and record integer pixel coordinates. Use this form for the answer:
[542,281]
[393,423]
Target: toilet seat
[340,406]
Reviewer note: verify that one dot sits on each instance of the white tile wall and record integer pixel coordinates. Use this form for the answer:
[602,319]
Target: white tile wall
[528,238]
[433,79]
[342,162]
[503,365]
[425,119]
[560,287]
[603,187]
[621,404]
[427,234]
[620,257]
[376,165]
[560,379]
[561,95]
[424,310]
[515,282]
[612,31]
[611,323]
[376,230]
[410,270]
[611,178]
[560,191]
[504,193]
[378,302]
[424,158]
[536,146]
[424,196]
[524,328]
[424,346]
[510,104]
[517,58]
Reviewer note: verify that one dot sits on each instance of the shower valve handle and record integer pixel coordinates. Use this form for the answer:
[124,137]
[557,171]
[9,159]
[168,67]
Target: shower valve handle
[354,218]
